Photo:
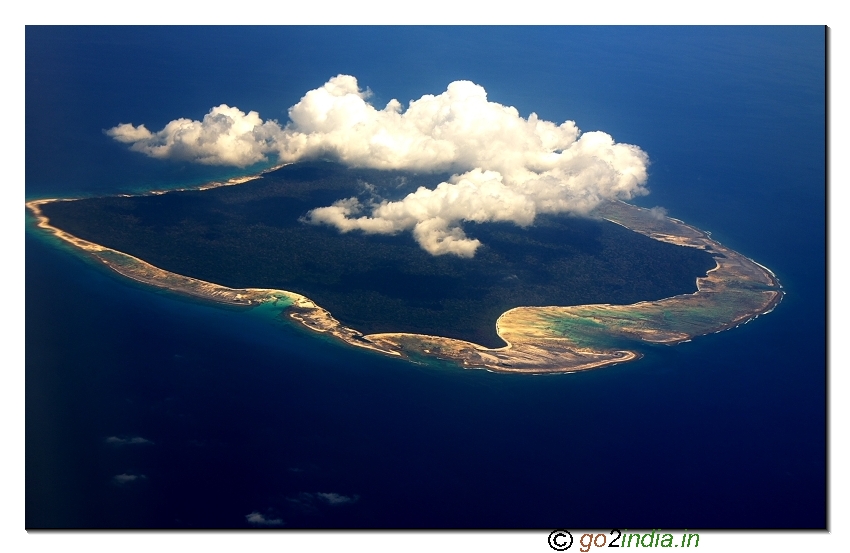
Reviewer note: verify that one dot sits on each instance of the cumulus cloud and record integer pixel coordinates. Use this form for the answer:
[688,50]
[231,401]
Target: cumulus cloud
[226,136]
[506,167]
[259,519]
[137,440]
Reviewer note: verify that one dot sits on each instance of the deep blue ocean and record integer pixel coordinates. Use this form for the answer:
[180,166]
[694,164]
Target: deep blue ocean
[240,413]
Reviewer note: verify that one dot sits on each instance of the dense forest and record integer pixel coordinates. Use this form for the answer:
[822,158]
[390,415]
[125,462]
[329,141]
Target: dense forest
[251,235]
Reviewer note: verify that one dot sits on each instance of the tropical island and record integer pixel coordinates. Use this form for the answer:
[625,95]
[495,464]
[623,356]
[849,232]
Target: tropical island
[558,296]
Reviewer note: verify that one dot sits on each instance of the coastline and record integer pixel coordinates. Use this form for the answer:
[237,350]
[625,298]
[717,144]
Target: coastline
[539,340]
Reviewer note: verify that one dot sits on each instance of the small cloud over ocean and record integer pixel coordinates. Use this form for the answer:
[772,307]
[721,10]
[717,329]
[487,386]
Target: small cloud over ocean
[313,502]
[126,478]
[337,499]
[259,519]
[137,440]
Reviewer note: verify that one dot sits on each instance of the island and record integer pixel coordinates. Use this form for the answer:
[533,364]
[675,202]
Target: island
[568,293]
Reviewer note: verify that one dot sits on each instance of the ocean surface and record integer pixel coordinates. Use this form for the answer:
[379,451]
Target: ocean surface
[145,409]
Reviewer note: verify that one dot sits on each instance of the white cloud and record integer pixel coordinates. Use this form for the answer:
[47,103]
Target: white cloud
[138,440]
[507,168]
[226,136]
[658,213]
[258,518]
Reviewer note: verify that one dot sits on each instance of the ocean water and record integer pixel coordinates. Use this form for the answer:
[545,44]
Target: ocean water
[243,413]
